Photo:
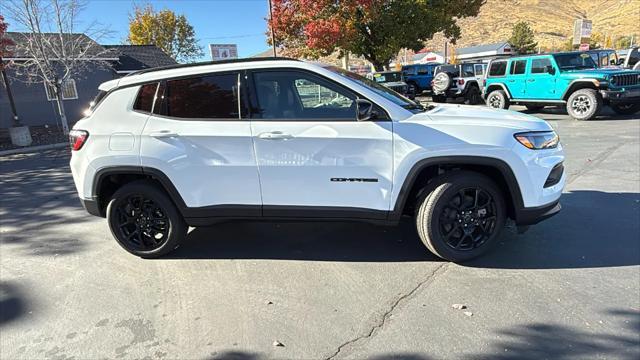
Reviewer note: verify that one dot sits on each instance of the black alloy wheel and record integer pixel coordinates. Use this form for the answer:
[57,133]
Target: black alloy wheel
[142,224]
[468,220]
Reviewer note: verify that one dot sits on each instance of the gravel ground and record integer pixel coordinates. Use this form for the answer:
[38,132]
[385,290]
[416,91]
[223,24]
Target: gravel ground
[567,289]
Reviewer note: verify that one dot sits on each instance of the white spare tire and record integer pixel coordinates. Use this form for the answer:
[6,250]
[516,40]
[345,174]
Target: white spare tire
[441,83]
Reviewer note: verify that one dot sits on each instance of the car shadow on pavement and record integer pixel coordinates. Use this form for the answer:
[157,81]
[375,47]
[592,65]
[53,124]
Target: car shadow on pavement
[594,229]
[12,302]
[555,341]
[605,115]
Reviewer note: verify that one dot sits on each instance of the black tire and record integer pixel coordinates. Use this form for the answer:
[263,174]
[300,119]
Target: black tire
[414,89]
[584,104]
[143,207]
[534,107]
[436,215]
[473,97]
[498,99]
[625,108]
[439,98]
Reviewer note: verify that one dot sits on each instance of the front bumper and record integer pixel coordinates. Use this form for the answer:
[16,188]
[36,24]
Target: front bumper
[534,215]
[92,207]
[627,95]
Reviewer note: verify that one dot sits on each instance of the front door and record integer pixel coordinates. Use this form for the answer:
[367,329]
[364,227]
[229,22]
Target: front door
[314,157]
[198,138]
[541,79]
[516,80]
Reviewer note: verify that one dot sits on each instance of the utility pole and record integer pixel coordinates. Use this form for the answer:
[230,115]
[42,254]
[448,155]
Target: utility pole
[273,31]
[5,79]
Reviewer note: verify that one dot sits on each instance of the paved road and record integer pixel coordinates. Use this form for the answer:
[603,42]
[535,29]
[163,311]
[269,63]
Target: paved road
[569,288]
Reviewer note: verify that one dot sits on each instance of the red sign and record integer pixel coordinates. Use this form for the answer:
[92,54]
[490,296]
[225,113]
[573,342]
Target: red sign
[584,47]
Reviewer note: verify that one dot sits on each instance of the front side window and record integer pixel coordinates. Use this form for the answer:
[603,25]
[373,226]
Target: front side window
[498,68]
[518,67]
[541,66]
[144,100]
[206,97]
[294,95]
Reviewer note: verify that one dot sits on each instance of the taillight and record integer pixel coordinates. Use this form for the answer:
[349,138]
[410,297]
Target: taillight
[460,81]
[77,138]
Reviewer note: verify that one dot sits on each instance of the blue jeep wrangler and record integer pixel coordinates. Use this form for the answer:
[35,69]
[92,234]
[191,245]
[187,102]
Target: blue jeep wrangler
[571,79]
[418,76]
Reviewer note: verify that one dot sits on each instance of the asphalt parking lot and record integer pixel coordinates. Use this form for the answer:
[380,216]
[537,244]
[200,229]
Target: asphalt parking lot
[567,289]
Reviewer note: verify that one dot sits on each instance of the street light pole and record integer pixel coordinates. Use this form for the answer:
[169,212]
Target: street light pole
[273,32]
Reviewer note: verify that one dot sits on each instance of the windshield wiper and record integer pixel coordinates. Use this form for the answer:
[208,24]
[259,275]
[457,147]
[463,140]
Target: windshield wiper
[414,107]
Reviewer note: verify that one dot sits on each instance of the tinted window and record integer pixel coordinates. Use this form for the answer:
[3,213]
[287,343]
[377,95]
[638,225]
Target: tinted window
[540,66]
[518,67]
[498,68]
[479,70]
[573,61]
[207,97]
[144,101]
[467,70]
[293,95]
[423,70]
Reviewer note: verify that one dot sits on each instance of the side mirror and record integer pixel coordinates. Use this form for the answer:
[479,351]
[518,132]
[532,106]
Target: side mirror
[551,70]
[365,110]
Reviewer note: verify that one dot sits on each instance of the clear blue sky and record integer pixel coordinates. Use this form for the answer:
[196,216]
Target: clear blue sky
[239,22]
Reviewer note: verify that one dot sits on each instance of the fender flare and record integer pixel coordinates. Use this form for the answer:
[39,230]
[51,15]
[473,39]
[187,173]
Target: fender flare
[567,93]
[507,173]
[503,86]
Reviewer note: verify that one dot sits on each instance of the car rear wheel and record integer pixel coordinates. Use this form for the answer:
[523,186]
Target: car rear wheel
[144,220]
[462,217]
[625,108]
[473,97]
[498,99]
[584,104]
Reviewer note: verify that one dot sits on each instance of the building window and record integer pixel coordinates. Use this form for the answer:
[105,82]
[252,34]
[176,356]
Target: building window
[69,91]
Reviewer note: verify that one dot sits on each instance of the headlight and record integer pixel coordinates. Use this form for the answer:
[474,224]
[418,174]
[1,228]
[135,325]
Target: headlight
[538,140]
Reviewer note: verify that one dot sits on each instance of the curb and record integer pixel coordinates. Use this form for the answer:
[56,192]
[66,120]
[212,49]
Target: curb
[30,149]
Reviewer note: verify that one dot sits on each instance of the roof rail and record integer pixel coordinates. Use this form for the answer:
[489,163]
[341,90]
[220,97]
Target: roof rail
[215,62]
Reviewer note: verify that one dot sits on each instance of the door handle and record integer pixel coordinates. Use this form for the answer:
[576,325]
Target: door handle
[511,80]
[163,134]
[275,135]
[531,80]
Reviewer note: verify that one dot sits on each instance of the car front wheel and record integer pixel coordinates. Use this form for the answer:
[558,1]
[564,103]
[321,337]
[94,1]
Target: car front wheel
[144,220]
[584,104]
[498,99]
[462,217]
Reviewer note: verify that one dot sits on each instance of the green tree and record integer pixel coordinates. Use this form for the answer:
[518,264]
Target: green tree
[523,39]
[168,31]
[374,29]
[623,42]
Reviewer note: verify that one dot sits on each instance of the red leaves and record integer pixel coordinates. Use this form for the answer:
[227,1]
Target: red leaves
[4,42]
[322,34]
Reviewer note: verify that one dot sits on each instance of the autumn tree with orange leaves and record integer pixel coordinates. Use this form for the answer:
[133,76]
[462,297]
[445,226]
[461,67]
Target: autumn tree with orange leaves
[373,29]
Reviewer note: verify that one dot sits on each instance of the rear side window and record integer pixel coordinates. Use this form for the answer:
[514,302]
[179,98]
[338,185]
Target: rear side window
[467,70]
[206,97]
[498,68]
[144,100]
[518,67]
[540,66]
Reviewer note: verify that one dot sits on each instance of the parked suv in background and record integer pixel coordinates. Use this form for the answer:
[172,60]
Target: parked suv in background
[458,81]
[191,145]
[394,81]
[571,79]
[419,76]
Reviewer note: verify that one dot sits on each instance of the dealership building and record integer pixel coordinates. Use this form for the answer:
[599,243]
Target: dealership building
[469,54]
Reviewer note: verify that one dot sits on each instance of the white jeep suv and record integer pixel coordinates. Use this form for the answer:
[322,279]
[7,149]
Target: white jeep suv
[191,145]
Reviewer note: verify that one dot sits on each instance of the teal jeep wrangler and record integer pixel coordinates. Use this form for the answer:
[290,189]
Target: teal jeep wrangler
[570,79]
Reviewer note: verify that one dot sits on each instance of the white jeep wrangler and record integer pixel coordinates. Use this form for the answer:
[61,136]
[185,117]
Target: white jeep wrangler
[191,145]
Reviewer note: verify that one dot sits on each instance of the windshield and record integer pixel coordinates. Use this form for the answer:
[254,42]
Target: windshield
[574,61]
[387,77]
[378,89]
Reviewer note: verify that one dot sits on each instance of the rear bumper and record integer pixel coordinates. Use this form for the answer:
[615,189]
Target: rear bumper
[92,207]
[534,215]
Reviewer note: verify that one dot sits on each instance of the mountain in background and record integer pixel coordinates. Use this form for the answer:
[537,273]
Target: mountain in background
[551,20]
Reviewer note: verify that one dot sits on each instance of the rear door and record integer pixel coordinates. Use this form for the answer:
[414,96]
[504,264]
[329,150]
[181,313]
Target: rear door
[314,157]
[198,137]
[541,79]
[517,78]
